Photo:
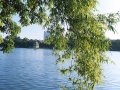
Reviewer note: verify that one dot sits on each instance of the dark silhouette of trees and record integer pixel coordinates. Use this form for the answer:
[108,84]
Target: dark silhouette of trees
[28,43]
[115,45]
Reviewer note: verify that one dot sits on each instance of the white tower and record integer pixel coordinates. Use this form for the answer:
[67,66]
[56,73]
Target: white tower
[46,34]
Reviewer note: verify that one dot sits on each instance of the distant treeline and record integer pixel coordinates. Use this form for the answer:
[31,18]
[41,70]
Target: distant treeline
[28,43]
[115,45]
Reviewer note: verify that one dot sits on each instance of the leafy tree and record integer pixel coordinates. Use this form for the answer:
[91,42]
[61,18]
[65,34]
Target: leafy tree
[30,43]
[24,42]
[17,41]
[65,19]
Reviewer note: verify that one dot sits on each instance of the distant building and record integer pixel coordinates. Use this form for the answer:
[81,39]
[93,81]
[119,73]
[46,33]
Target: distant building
[46,34]
[41,41]
[36,44]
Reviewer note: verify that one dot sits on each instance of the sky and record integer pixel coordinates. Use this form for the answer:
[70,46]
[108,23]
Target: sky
[105,6]
[110,6]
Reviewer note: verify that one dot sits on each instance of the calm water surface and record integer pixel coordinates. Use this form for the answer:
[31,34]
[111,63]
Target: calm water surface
[28,69]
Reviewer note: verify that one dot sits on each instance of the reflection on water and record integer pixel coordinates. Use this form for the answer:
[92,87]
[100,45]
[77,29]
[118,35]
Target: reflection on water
[29,69]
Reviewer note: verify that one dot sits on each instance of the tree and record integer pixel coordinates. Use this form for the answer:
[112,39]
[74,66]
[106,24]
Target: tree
[17,41]
[65,20]
[25,42]
[115,45]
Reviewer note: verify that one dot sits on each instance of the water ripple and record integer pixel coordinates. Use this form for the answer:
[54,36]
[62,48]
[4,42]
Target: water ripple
[28,69]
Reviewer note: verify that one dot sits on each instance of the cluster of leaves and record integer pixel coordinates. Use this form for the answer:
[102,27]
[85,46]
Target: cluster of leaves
[65,20]
[29,11]
[76,20]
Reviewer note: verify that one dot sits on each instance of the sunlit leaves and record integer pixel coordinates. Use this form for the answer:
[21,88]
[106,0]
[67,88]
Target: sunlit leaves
[109,21]
[86,33]
[1,40]
[1,24]
[8,45]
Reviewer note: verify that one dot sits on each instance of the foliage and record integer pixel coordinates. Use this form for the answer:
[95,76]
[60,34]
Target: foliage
[115,45]
[29,11]
[23,43]
[65,20]
[86,31]
[28,43]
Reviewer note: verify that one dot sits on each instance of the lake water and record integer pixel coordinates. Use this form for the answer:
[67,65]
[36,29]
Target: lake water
[28,69]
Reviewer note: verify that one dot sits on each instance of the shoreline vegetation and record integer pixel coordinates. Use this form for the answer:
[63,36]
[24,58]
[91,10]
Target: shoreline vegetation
[28,43]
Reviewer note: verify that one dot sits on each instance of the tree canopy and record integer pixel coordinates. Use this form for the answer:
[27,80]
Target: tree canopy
[65,19]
